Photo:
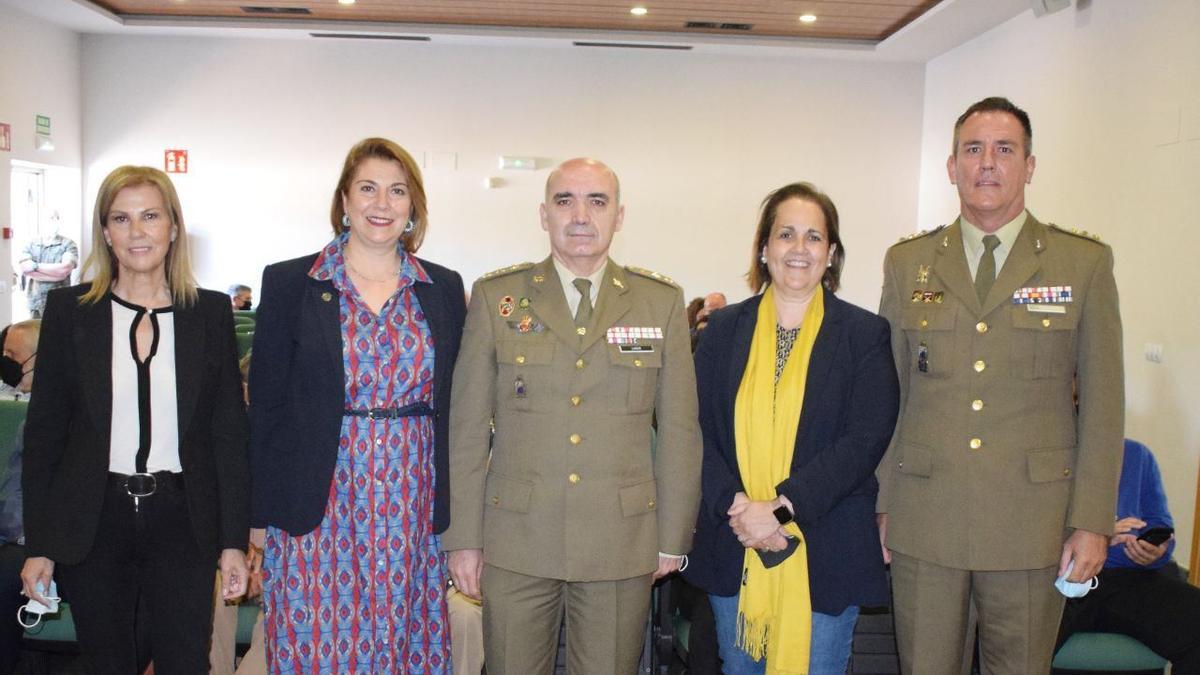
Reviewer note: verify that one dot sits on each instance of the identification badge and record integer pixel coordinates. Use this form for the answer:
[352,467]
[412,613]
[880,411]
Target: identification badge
[1047,309]
[635,349]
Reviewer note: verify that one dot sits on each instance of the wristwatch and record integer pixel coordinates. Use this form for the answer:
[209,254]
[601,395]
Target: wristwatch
[783,515]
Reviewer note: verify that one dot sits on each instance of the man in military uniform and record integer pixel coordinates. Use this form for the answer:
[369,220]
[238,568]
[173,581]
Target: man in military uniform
[996,481]
[573,359]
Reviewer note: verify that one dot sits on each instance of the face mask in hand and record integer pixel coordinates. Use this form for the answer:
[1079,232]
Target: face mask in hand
[1074,589]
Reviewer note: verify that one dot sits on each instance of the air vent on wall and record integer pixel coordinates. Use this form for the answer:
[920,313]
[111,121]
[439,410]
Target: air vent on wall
[370,36]
[290,11]
[713,25]
[632,45]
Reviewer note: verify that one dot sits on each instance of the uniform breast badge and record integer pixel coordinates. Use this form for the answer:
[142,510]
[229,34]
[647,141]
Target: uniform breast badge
[507,305]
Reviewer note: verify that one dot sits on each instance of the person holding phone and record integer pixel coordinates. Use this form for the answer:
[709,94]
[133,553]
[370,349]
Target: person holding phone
[1141,592]
[798,399]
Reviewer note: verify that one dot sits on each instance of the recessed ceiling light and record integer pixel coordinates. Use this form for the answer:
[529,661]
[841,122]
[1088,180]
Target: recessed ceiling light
[638,11]
[808,18]
[346,2]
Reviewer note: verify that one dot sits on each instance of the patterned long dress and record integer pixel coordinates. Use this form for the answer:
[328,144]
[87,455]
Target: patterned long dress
[365,591]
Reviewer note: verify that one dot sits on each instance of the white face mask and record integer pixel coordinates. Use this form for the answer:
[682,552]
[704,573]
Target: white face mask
[1074,589]
[36,608]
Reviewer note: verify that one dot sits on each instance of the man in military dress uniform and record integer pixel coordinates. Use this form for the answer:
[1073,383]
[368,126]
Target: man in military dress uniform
[996,481]
[579,508]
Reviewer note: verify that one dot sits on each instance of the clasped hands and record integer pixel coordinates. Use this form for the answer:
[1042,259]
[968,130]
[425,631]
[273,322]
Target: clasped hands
[755,525]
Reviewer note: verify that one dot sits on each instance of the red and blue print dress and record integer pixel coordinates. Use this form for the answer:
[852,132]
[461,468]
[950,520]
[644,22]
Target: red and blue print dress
[365,591]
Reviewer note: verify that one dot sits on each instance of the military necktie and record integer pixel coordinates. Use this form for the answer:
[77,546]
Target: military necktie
[583,313]
[985,275]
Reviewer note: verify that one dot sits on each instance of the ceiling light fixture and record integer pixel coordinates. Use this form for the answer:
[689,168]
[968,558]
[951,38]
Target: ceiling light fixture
[346,2]
[808,18]
[639,11]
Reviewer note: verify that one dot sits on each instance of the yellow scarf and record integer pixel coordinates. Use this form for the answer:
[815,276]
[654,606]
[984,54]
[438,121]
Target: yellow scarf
[774,610]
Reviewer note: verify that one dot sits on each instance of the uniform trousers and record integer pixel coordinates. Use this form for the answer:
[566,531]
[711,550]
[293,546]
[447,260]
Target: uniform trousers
[605,623]
[145,579]
[1018,612]
[1156,607]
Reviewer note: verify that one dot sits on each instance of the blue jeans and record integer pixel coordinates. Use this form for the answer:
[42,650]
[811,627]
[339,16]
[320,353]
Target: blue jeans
[831,640]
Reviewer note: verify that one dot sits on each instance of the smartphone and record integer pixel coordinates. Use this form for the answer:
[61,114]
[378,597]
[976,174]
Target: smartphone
[1155,536]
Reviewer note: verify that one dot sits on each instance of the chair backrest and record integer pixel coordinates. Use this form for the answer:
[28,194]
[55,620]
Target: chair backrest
[244,341]
[12,413]
[239,319]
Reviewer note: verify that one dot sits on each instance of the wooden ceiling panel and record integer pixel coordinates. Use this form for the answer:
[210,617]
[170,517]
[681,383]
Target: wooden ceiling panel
[858,20]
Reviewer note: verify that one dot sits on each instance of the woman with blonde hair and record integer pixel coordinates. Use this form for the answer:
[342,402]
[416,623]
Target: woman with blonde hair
[135,476]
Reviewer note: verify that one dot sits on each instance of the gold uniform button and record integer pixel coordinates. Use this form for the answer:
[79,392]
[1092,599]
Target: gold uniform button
[575,439]
[1046,323]
[981,327]
[650,504]
[924,323]
[520,359]
[574,478]
[980,365]
[495,500]
[976,444]
[977,404]
[637,363]
[581,331]
[1066,472]
[579,364]
[576,400]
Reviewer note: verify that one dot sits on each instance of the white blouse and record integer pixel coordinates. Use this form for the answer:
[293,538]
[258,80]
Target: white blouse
[149,387]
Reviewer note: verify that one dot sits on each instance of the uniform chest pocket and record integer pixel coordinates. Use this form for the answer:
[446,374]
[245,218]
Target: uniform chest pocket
[522,367]
[1043,344]
[638,370]
[930,333]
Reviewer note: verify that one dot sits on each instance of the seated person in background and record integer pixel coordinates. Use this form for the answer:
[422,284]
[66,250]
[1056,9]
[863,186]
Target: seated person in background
[1141,593]
[242,296]
[20,351]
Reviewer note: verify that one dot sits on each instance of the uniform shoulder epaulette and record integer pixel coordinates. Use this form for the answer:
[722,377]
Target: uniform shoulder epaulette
[649,274]
[1075,232]
[519,267]
[918,235]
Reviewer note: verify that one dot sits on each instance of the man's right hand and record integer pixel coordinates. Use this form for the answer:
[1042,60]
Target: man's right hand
[37,570]
[881,521]
[466,568]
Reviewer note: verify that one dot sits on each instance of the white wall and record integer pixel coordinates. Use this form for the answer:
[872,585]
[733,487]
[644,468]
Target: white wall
[1113,89]
[698,141]
[39,74]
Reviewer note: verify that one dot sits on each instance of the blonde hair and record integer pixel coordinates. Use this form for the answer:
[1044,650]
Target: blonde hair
[382,148]
[180,280]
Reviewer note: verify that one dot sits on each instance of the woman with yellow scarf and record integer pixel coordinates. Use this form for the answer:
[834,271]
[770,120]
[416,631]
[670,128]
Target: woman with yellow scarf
[798,400]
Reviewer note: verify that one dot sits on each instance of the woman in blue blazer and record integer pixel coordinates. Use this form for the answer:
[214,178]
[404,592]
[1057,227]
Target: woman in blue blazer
[353,354]
[848,413]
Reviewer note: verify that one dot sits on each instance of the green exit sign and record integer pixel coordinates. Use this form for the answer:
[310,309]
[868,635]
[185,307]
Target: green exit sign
[43,124]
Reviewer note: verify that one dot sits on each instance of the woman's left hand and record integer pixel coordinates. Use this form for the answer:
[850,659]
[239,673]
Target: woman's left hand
[754,521]
[234,573]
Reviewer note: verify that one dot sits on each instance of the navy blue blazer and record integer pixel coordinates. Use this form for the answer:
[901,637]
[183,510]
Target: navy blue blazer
[851,398]
[297,391]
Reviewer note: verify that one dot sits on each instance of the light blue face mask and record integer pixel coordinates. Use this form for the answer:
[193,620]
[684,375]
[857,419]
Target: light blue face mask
[1074,589]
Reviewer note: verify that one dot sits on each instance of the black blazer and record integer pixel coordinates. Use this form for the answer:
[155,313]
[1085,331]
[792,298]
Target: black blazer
[69,425]
[851,398]
[297,391]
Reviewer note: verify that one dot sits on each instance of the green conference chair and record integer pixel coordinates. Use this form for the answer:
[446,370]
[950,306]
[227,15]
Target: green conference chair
[1107,652]
[244,342]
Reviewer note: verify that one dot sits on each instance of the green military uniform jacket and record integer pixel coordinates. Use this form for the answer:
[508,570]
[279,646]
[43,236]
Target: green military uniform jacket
[991,463]
[575,489]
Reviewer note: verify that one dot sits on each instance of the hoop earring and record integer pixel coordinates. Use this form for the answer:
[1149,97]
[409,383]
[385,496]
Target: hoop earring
[346,221]
[409,227]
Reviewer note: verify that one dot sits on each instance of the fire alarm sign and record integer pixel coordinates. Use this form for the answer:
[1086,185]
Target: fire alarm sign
[176,161]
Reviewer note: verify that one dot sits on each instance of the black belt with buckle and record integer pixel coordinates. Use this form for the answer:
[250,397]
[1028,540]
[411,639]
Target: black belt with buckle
[418,409]
[140,485]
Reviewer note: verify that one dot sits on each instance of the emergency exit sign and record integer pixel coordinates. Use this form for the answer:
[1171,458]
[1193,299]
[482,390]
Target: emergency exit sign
[175,161]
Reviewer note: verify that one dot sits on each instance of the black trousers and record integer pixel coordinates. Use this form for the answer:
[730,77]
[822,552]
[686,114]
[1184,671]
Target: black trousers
[1156,607]
[144,579]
